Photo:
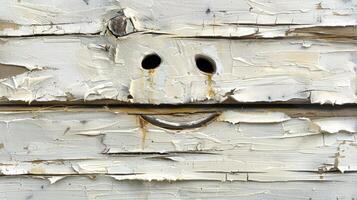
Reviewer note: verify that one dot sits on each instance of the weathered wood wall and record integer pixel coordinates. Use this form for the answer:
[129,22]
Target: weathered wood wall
[80,117]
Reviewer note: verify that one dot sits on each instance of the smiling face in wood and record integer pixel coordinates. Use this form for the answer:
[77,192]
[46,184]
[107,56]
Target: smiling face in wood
[160,72]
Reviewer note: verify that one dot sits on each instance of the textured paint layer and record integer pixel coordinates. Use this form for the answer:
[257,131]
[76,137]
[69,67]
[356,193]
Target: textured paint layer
[106,188]
[237,146]
[224,18]
[99,67]
[262,51]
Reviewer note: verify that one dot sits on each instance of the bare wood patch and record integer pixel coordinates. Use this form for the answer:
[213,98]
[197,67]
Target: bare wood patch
[8,71]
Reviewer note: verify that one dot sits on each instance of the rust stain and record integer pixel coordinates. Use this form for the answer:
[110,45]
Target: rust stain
[142,126]
[8,25]
[210,91]
[151,72]
[151,84]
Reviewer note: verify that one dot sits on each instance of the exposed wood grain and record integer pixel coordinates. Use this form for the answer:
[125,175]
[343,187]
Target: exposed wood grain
[8,71]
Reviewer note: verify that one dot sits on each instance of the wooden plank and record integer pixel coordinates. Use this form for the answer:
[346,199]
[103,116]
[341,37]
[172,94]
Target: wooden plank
[266,19]
[237,146]
[70,68]
[43,17]
[106,188]
[225,18]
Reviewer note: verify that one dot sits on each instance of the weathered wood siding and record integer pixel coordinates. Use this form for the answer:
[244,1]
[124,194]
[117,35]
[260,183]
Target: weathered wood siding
[100,67]
[225,18]
[237,149]
[81,117]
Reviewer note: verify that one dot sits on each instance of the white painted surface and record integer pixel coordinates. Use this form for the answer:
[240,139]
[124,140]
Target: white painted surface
[266,51]
[98,67]
[106,188]
[111,143]
[267,19]
[94,155]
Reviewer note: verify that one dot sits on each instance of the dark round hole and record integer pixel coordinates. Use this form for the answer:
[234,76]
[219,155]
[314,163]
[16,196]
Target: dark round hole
[151,61]
[205,64]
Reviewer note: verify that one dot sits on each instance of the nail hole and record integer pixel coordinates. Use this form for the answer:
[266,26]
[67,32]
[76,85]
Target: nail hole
[151,61]
[205,64]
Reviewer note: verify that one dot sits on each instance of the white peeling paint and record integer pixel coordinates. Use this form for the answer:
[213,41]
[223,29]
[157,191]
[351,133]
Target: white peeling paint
[91,68]
[107,188]
[21,18]
[264,51]
[267,19]
[55,143]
